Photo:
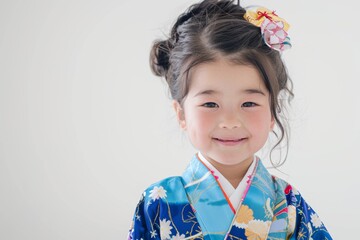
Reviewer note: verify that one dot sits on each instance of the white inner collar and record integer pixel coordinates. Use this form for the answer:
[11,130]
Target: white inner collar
[234,194]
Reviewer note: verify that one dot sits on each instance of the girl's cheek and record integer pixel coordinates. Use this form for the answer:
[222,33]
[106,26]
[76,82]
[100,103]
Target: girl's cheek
[205,117]
[259,119]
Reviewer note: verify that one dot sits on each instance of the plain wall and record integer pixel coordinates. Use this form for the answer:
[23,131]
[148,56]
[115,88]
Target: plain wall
[85,127]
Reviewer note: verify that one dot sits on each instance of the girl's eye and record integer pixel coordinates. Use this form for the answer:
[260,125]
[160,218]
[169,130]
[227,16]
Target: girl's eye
[210,104]
[249,104]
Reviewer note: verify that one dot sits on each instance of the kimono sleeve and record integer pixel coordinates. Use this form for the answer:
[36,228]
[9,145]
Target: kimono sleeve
[141,226]
[306,223]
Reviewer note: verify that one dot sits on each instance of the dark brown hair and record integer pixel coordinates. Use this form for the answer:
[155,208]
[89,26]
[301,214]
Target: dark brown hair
[217,28]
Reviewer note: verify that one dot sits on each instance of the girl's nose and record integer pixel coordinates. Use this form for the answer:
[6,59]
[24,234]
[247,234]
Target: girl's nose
[231,120]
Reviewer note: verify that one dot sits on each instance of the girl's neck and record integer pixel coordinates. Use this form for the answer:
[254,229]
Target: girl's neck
[233,173]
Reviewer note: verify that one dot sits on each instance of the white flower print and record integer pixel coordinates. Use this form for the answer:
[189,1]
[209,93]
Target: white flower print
[165,229]
[157,192]
[315,220]
[178,237]
[153,234]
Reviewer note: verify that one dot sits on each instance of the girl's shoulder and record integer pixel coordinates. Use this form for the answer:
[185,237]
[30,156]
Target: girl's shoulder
[283,187]
[303,220]
[166,183]
[168,188]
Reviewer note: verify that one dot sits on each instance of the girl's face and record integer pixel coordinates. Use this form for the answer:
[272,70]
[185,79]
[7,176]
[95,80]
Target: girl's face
[226,113]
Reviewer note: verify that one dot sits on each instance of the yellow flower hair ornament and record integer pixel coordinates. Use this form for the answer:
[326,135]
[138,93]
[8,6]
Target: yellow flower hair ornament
[273,28]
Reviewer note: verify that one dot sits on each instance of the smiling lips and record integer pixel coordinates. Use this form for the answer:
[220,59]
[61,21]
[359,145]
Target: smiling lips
[229,140]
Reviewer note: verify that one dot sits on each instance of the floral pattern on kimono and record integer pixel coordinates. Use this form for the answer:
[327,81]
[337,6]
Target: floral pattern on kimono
[193,206]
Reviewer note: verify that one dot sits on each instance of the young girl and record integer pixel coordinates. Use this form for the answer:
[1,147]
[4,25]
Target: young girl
[225,73]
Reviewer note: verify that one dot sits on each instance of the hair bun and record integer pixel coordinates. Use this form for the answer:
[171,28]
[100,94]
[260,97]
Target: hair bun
[159,57]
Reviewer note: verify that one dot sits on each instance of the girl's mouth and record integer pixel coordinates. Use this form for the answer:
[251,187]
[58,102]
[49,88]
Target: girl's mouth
[229,142]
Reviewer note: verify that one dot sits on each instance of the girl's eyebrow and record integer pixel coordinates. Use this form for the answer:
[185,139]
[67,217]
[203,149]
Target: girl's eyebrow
[245,91]
[254,91]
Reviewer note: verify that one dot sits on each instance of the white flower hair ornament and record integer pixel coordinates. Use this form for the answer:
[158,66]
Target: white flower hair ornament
[273,28]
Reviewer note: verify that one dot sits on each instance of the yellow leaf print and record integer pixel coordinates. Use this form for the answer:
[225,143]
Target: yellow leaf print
[244,215]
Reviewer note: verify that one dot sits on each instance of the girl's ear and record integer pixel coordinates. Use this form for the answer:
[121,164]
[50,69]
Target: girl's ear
[179,114]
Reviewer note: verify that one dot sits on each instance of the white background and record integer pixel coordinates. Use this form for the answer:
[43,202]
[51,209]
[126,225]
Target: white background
[85,127]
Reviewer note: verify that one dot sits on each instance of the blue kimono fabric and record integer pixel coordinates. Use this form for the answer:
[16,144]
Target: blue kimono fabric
[193,206]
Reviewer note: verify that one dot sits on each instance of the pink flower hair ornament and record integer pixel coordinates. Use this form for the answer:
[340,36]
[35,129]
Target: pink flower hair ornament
[273,28]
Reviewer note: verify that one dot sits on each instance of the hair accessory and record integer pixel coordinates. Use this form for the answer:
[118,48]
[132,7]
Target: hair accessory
[273,28]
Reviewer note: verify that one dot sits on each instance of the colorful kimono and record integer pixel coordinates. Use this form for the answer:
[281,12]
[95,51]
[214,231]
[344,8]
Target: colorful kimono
[194,206]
